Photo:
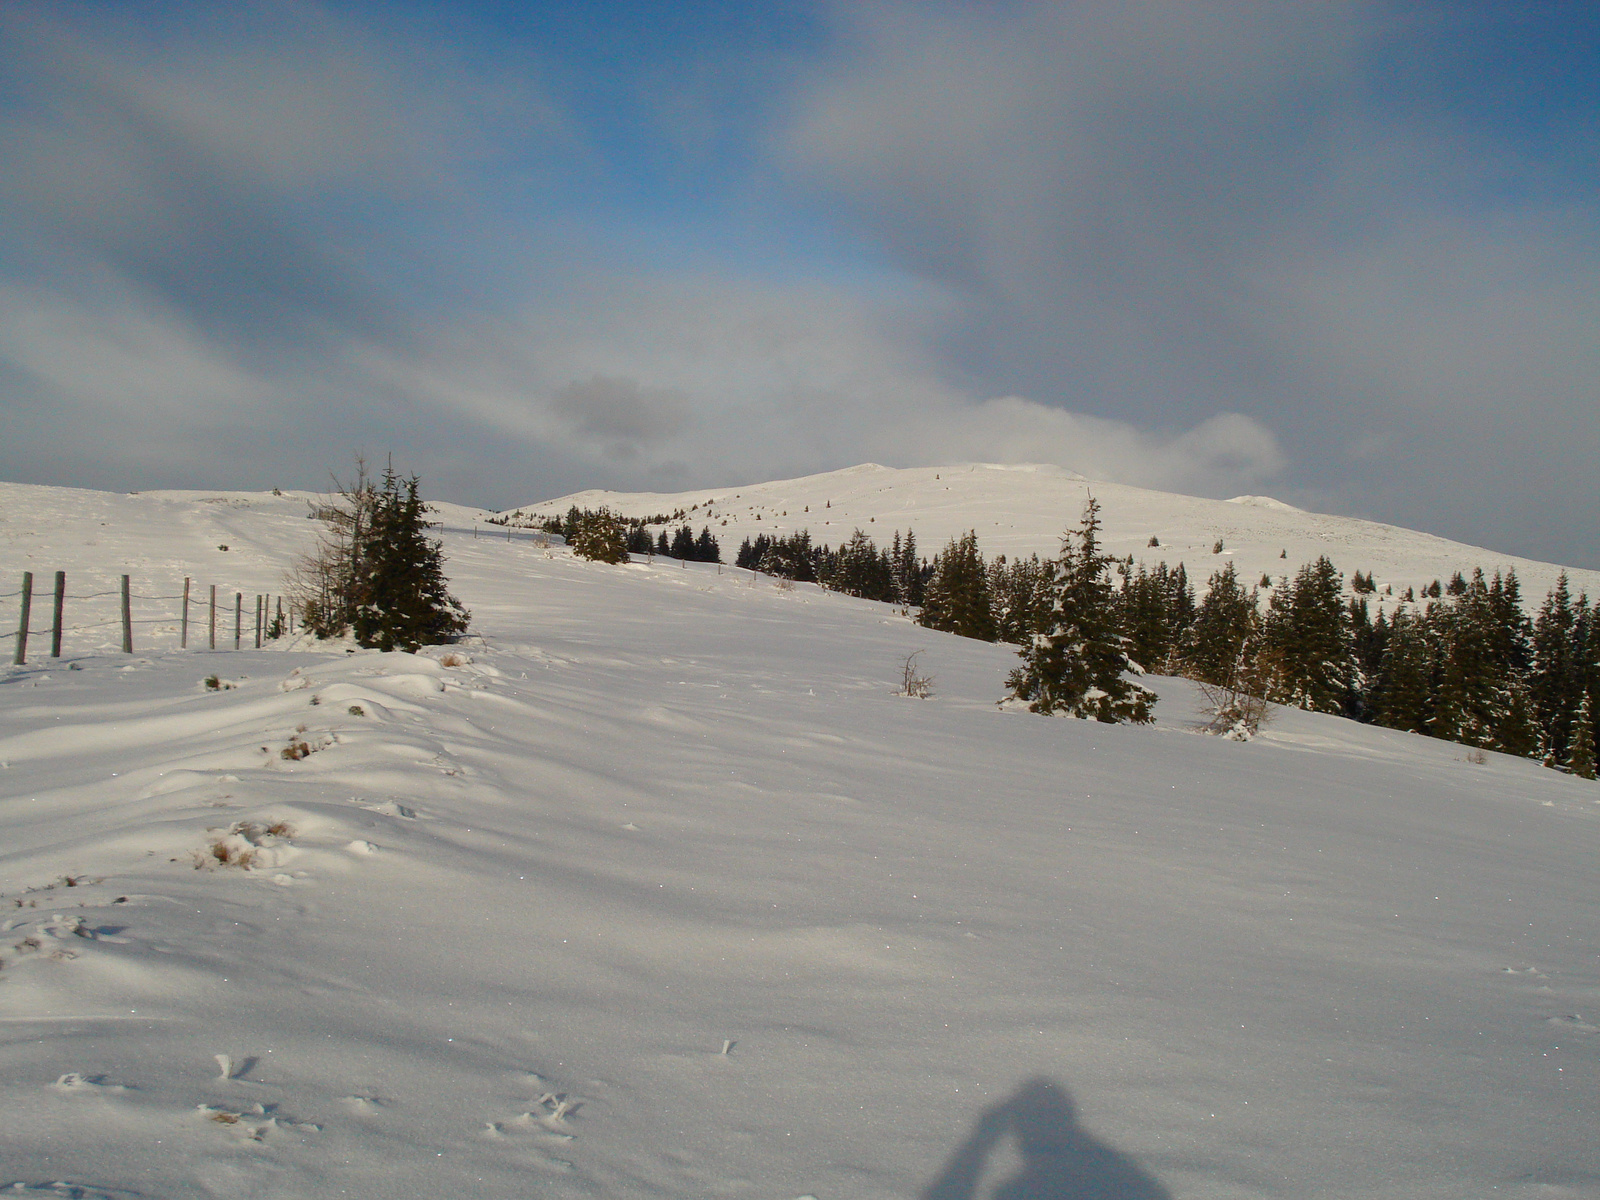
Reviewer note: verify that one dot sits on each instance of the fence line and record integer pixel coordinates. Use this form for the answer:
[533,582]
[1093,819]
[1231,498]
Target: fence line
[267,626]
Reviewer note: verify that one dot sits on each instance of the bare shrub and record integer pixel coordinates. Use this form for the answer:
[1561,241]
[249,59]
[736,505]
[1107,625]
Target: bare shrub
[1237,707]
[1233,713]
[912,681]
[322,583]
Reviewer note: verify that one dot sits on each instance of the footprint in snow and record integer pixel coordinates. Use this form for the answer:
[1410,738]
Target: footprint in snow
[545,1125]
[74,1082]
[390,808]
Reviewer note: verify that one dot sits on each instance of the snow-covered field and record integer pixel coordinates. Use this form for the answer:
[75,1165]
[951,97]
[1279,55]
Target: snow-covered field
[654,889]
[1022,510]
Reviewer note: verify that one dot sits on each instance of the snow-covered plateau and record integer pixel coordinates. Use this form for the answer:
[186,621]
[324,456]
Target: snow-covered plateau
[653,887]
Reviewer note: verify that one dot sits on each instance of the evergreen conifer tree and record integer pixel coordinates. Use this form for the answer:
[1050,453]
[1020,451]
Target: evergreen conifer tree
[1076,666]
[1307,630]
[1223,623]
[401,595]
[1402,693]
[1022,598]
[1554,675]
[957,597]
[601,537]
[706,548]
[1580,756]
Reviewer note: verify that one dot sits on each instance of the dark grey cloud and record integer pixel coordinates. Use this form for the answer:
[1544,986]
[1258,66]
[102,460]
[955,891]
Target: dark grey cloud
[620,414]
[1178,243]
[1159,210]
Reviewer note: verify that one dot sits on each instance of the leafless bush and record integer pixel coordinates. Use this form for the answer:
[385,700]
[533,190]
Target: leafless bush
[912,681]
[1237,707]
[1233,713]
[321,584]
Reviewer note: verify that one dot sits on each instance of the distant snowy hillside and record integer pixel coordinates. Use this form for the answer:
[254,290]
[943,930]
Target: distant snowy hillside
[653,888]
[1021,510]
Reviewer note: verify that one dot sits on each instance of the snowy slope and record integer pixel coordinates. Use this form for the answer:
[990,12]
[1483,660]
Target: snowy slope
[655,889]
[1021,510]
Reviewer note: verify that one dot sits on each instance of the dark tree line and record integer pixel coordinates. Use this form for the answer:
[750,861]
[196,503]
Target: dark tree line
[1462,662]
[581,523]
[894,575]
[683,544]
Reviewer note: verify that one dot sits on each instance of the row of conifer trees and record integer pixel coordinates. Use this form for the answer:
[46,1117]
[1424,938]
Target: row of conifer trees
[1463,662]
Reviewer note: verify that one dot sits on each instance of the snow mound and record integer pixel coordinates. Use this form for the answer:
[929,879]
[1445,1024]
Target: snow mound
[1264,502]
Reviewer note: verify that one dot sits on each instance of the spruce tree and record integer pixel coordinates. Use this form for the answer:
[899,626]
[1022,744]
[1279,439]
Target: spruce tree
[401,595]
[1471,704]
[1402,693]
[601,537]
[1580,755]
[706,548]
[1307,630]
[1554,674]
[1022,598]
[1076,667]
[1215,642]
[957,598]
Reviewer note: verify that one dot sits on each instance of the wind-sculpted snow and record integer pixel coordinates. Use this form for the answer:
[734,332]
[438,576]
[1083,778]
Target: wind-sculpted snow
[654,888]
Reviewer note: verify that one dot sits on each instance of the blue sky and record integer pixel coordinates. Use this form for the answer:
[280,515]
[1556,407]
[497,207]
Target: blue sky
[1341,253]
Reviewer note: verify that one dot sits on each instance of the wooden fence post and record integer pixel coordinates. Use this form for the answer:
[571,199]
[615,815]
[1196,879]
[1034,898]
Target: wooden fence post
[261,605]
[22,625]
[61,605]
[213,616]
[183,636]
[127,618]
[238,618]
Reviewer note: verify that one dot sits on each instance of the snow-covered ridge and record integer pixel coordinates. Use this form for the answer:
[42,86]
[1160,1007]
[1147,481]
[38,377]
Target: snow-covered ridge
[1021,510]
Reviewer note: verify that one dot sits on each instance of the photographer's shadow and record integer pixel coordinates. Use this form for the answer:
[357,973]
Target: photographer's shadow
[1060,1159]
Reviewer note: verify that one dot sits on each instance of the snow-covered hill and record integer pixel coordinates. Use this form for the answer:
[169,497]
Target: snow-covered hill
[655,889]
[1021,510]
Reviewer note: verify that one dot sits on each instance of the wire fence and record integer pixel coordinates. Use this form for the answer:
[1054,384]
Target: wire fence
[141,616]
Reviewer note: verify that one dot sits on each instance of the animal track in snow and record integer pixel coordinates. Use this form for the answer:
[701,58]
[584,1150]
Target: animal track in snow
[389,808]
[543,1125]
[74,1082]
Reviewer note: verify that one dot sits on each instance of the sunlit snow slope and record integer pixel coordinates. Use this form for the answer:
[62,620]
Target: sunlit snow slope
[1021,510]
[653,888]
